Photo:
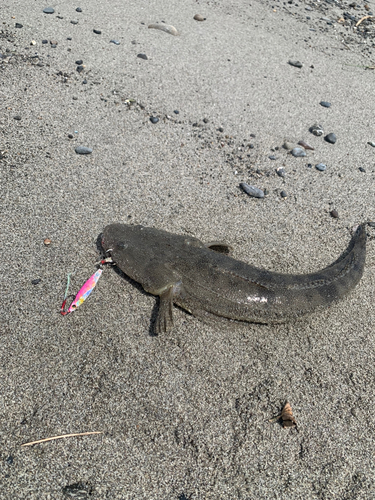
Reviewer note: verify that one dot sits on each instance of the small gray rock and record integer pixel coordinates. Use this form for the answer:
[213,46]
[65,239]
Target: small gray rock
[116,42]
[283,194]
[154,119]
[142,56]
[321,167]
[296,64]
[97,32]
[252,190]
[371,144]
[83,150]
[331,138]
[298,152]
[74,22]
[316,130]
[78,9]
[325,104]
[280,172]
[272,157]
[48,10]
[288,145]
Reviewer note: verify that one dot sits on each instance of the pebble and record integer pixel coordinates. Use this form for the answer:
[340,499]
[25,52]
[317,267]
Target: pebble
[84,82]
[79,61]
[334,214]
[17,117]
[283,194]
[198,17]
[176,112]
[371,144]
[325,104]
[305,145]
[142,56]
[70,136]
[316,130]
[44,42]
[78,9]
[80,68]
[47,242]
[296,64]
[331,138]
[272,157]
[116,42]
[220,129]
[83,150]
[48,10]
[288,145]
[253,136]
[154,119]
[167,28]
[321,167]
[361,169]
[74,22]
[97,32]
[280,172]
[36,282]
[33,42]
[19,25]
[252,190]
[53,42]
[205,120]
[298,152]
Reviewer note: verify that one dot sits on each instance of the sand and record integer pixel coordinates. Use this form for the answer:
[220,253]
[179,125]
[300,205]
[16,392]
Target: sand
[188,414]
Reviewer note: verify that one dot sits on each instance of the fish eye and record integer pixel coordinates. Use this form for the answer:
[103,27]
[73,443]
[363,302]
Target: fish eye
[74,306]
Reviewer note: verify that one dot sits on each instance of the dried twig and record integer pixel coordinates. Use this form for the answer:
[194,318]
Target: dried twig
[363,19]
[61,437]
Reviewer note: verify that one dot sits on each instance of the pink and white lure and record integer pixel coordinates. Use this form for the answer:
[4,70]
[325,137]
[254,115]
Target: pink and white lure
[82,295]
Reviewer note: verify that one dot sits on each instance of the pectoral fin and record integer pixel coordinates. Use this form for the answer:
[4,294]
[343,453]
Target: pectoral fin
[220,247]
[164,318]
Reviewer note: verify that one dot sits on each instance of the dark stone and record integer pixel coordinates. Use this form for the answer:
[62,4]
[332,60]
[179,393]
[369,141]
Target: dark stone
[331,138]
[80,69]
[79,61]
[84,82]
[48,10]
[36,281]
[70,136]
[116,42]
[9,460]
[69,38]
[334,214]
[53,46]
[272,157]
[361,169]
[252,190]
[18,25]
[176,112]
[73,22]
[280,172]
[44,42]
[253,136]
[283,194]
[220,129]
[325,104]
[251,146]
[142,56]
[17,117]
[78,9]
[154,119]
[97,32]
[205,120]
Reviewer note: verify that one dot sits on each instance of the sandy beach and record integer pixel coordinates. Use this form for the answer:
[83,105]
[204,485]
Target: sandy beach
[175,124]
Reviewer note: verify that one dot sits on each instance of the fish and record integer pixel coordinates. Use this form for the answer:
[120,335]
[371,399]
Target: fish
[83,293]
[206,281]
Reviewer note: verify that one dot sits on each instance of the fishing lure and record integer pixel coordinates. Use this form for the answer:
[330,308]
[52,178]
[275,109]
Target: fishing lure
[82,295]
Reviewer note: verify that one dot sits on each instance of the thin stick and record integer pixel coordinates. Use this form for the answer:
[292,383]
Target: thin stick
[60,437]
[363,18]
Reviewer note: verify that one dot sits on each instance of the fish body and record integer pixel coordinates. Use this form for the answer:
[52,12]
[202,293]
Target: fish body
[207,282]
